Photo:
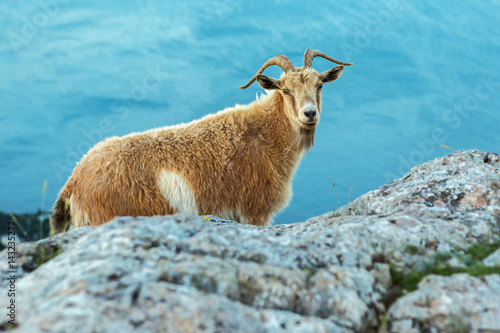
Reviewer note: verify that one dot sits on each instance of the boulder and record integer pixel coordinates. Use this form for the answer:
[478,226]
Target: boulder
[458,303]
[344,271]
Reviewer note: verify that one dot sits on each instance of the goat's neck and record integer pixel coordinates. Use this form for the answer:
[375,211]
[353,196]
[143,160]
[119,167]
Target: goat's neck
[284,141]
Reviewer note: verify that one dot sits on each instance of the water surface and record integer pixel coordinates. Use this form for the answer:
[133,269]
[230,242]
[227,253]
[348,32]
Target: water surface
[425,74]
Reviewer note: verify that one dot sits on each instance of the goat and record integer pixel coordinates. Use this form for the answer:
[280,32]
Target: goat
[236,164]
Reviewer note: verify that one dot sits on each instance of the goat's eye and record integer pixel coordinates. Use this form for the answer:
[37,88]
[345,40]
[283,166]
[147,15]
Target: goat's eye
[320,87]
[286,92]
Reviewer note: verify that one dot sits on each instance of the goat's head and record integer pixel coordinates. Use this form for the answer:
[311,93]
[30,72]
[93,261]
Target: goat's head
[299,86]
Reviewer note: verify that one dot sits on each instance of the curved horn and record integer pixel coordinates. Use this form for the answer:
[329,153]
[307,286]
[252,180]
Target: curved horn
[309,55]
[279,60]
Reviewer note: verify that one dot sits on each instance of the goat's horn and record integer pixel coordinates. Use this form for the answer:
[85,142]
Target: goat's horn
[309,55]
[279,60]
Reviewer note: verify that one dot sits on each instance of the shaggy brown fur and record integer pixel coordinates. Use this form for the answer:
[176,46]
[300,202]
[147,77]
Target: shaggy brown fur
[237,163]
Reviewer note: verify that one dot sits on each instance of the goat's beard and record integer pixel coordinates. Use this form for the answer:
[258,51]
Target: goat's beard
[305,139]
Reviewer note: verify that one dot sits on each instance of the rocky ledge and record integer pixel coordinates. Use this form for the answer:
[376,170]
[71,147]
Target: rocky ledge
[420,254]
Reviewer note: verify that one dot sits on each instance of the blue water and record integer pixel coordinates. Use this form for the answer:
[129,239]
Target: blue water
[425,74]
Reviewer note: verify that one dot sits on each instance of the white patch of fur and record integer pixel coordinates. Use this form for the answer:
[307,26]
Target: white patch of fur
[309,106]
[177,192]
[78,216]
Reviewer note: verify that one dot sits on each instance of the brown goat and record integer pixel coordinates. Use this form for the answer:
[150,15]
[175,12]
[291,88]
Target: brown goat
[237,164]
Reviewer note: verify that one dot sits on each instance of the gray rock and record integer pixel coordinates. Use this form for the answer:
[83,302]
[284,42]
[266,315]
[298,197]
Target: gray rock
[493,259]
[30,255]
[331,273]
[459,186]
[459,303]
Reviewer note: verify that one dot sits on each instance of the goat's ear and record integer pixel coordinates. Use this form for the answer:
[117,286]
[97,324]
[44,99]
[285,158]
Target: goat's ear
[332,74]
[268,83]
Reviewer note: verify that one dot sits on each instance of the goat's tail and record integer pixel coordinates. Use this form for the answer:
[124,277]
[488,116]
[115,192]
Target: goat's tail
[61,217]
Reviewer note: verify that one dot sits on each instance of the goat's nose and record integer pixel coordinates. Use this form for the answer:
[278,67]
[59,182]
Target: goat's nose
[310,113]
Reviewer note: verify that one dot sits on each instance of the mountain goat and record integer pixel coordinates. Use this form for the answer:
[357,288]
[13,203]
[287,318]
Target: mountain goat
[236,164]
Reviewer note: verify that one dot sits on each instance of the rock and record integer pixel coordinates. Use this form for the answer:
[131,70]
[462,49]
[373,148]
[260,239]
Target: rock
[493,259]
[333,273]
[460,303]
[30,255]
[460,186]
[164,269]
